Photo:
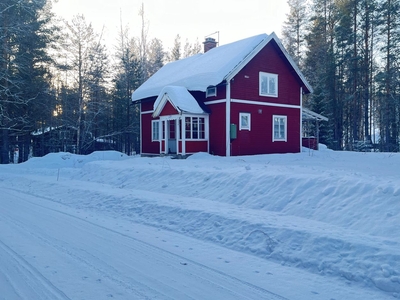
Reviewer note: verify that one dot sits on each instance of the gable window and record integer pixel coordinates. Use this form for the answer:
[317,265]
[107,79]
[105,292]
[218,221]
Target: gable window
[280,128]
[268,84]
[155,130]
[244,121]
[211,91]
[195,128]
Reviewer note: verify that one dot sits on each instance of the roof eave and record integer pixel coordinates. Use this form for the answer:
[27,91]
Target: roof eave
[228,77]
[292,63]
[257,49]
[313,115]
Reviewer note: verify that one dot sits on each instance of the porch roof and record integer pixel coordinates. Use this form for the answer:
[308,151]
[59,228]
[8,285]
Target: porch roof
[180,99]
[310,115]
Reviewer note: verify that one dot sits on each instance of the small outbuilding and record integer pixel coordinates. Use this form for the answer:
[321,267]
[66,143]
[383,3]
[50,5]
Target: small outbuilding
[242,98]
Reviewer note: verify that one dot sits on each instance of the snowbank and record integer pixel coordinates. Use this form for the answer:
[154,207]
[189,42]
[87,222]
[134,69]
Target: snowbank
[336,214]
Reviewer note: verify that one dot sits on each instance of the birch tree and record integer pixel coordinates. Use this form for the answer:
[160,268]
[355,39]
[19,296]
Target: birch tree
[86,65]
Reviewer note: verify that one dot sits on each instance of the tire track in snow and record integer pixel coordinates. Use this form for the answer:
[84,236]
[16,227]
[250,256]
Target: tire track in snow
[348,242]
[34,281]
[197,271]
[80,256]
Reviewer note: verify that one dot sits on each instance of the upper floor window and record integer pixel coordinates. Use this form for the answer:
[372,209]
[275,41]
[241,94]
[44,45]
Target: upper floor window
[244,121]
[280,128]
[268,84]
[211,91]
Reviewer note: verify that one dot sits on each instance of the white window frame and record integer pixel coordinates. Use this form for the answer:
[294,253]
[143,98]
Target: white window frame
[211,91]
[197,128]
[155,130]
[282,121]
[265,82]
[243,116]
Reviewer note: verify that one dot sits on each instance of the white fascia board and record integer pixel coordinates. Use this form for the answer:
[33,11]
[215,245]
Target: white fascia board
[291,61]
[161,104]
[246,60]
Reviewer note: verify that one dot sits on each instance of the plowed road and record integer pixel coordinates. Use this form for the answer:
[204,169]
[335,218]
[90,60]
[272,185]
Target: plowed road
[48,251]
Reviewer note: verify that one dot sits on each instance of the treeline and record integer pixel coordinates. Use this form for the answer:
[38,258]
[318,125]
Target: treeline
[349,51]
[62,90]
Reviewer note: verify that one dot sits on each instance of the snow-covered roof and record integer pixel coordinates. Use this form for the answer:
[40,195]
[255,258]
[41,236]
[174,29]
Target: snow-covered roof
[200,71]
[180,99]
[308,114]
[48,129]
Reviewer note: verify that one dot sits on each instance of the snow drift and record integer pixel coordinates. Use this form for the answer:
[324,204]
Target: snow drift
[336,214]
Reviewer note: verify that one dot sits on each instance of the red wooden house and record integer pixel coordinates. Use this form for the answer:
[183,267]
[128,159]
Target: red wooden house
[241,98]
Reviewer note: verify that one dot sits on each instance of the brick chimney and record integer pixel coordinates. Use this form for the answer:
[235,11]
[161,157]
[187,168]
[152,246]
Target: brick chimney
[209,43]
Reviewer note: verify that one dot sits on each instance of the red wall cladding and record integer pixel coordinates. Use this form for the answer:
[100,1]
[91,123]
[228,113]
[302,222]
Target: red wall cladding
[310,142]
[147,105]
[148,147]
[196,146]
[217,129]
[270,59]
[259,139]
[168,110]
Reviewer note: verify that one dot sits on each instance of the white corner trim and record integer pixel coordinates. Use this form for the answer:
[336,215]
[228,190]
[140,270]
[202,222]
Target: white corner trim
[228,120]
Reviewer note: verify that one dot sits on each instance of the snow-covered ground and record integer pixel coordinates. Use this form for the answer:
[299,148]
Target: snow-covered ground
[313,225]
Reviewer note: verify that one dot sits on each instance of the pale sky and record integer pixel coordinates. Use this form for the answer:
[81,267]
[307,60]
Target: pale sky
[191,19]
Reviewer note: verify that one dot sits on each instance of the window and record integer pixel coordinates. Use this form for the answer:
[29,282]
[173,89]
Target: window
[280,128]
[172,129]
[211,91]
[268,84]
[195,128]
[155,130]
[244,121]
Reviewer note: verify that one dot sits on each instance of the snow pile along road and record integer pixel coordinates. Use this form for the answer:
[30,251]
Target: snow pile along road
[335,215]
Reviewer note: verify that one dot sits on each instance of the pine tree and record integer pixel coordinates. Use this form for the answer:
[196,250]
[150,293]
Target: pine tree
[156,56]
[389,77]
[320,69]
[176,50]
[294,29]
[125,119]
[24,75]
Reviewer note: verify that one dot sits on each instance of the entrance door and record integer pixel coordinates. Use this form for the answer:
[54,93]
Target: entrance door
[171,136]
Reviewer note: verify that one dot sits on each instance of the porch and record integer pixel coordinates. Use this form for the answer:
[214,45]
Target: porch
[310,122]
[184,134]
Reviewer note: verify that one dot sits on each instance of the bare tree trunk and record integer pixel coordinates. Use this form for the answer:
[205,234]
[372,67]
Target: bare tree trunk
[388,81]
[5,158]
[367,72]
